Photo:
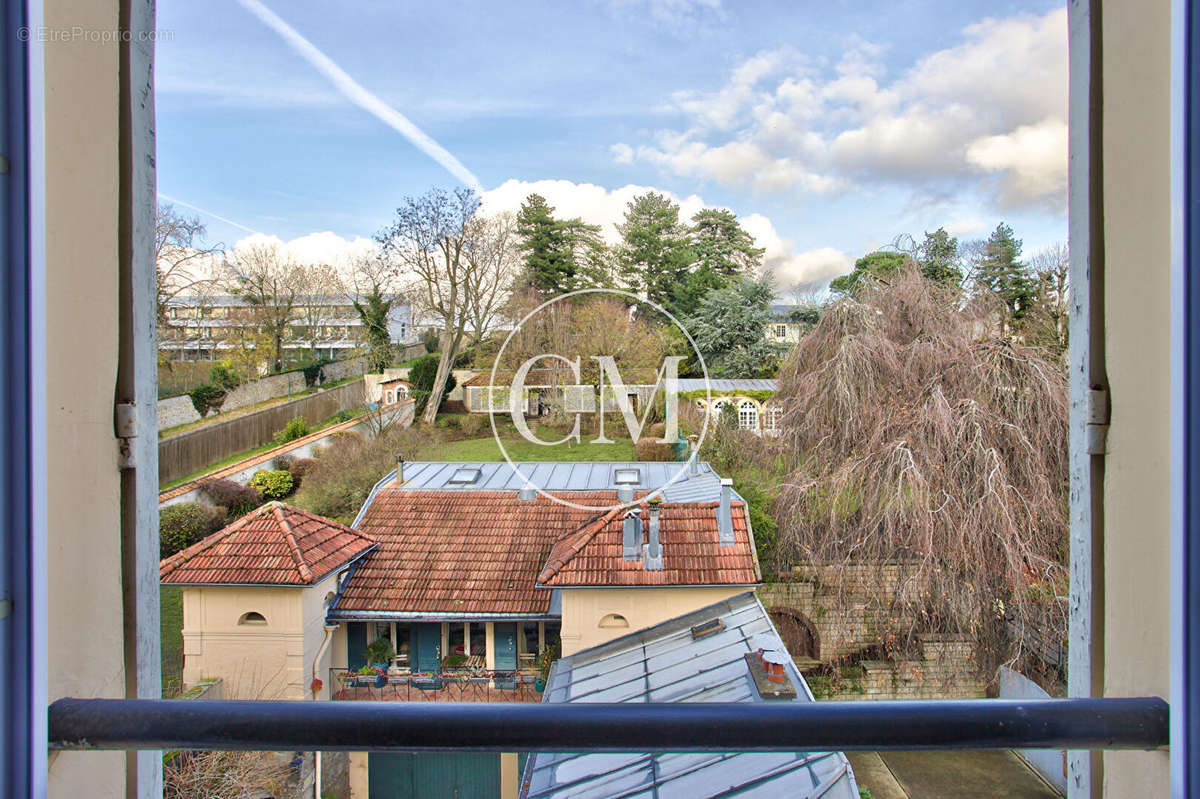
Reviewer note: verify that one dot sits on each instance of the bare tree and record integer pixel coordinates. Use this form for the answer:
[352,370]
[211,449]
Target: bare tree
[495,263]
[319,290]
[431,237]
[180,255]
[268,280]
[1052,269]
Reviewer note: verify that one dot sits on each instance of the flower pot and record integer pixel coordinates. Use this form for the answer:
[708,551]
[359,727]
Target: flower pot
[381,681]
[539,685]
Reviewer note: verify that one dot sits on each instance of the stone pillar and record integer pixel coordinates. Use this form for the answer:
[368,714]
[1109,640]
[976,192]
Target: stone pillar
[467,638]
[489,629]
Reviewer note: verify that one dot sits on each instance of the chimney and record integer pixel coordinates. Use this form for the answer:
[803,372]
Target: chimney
[653,552]
[694,461]
[399,469]
[527,493]
[725,513]
[624,494]
[631,538]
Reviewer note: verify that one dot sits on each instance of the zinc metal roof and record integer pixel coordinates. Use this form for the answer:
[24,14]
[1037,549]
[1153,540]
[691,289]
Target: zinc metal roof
[664,664]
[727,386]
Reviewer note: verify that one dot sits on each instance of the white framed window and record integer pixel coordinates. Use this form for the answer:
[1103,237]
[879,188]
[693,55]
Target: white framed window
[747,415]
[780,331]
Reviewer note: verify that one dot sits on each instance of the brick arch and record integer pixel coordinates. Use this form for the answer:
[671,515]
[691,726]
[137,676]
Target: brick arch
[799,634]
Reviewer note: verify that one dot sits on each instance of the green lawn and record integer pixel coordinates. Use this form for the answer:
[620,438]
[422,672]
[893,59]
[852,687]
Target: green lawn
[520,450]
[171,636]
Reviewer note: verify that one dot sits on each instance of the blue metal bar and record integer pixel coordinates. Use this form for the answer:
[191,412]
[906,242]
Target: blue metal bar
[1139,723]
[18,694]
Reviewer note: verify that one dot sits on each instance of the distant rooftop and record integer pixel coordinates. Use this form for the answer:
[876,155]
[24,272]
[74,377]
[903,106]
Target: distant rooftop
[703,486]
[726,386]
[670,663]
[273,545]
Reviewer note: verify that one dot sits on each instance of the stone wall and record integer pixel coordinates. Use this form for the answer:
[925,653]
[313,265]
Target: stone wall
[174,411]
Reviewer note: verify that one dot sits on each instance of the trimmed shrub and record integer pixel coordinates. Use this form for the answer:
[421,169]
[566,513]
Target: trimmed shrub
[297,428]
[207,397]
[183,524]
[239,499]
[650,449]
[273,483]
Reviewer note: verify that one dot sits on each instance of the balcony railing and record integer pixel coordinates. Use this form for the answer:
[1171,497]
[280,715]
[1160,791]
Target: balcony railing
[1140,723]
[482,686]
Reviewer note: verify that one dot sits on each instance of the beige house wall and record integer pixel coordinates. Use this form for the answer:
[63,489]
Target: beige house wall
[1137,313]
[83,515]
[584,608]
[256,661]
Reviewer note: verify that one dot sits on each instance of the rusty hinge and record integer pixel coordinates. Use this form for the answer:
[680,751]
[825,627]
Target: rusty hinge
[125,423]
[1097,421]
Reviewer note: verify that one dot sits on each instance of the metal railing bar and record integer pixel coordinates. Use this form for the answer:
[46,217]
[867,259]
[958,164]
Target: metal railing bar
[1136,723]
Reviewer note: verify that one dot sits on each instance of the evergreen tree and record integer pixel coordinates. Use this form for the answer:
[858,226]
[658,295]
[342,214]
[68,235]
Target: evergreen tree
[729,328]
[549,267]
[1001,272]
[590,258]
[721,245]
[872,266]
[655,255]
[939,259]
[374,311]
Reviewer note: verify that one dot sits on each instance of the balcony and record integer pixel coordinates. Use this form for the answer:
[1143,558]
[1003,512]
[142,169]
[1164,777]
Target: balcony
[445,686]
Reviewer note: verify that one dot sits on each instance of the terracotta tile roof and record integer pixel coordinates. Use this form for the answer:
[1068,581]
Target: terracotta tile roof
[273,545]
[692,554]
[460,551]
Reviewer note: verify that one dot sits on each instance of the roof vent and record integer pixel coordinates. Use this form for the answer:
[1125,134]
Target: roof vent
[463,477]
[653,550]
[624,494]
[631,536]
[527,493]
[707,628]
[627,477]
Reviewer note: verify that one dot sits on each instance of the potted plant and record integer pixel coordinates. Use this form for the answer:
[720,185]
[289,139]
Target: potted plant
[364,674]
[549,655]
[379,653]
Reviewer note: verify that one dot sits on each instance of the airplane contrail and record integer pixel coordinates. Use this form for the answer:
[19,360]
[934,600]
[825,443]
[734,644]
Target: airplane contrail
[353,91]
[206,212]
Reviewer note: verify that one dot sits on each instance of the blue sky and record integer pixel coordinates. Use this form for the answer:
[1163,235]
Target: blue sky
[832,126]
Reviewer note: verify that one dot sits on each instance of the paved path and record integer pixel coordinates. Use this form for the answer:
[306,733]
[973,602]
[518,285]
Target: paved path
[988,774]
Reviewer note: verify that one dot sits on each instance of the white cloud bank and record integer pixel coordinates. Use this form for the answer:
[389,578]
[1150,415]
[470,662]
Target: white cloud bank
[989,112]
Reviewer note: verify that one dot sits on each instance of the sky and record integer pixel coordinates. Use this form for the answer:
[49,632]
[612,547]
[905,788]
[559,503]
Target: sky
[830,128]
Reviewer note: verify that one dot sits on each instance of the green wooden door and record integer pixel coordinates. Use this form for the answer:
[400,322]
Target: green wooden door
[506,646]
[434,775]
[428,638]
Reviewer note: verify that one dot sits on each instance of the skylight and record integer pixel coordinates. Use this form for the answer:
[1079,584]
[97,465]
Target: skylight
[464,476]
[627,477]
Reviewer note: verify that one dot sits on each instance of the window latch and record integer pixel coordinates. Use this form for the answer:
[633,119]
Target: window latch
[1097,421]
[125,422]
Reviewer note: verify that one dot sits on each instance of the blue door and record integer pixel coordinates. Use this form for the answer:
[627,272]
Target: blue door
[428,641]
[505,641]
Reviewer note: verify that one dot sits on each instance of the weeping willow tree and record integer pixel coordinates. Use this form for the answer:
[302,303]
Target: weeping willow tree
[927,457]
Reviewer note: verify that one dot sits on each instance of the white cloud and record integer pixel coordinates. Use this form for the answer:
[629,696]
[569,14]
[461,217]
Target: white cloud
[597,205]
[679,16]
[989,112]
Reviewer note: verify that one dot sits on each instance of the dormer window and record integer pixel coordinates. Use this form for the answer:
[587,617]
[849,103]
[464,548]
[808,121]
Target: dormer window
[627,477]
[463,477]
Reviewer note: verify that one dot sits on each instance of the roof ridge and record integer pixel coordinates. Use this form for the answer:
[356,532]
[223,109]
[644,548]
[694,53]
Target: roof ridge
[173,562]
[293,546]
[327,521]
[576,541]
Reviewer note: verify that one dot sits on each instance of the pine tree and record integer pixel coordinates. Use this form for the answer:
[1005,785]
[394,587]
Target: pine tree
[722,245]
[879,265]
[939,259]
[549,267]
[1001,272]
[655,255]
